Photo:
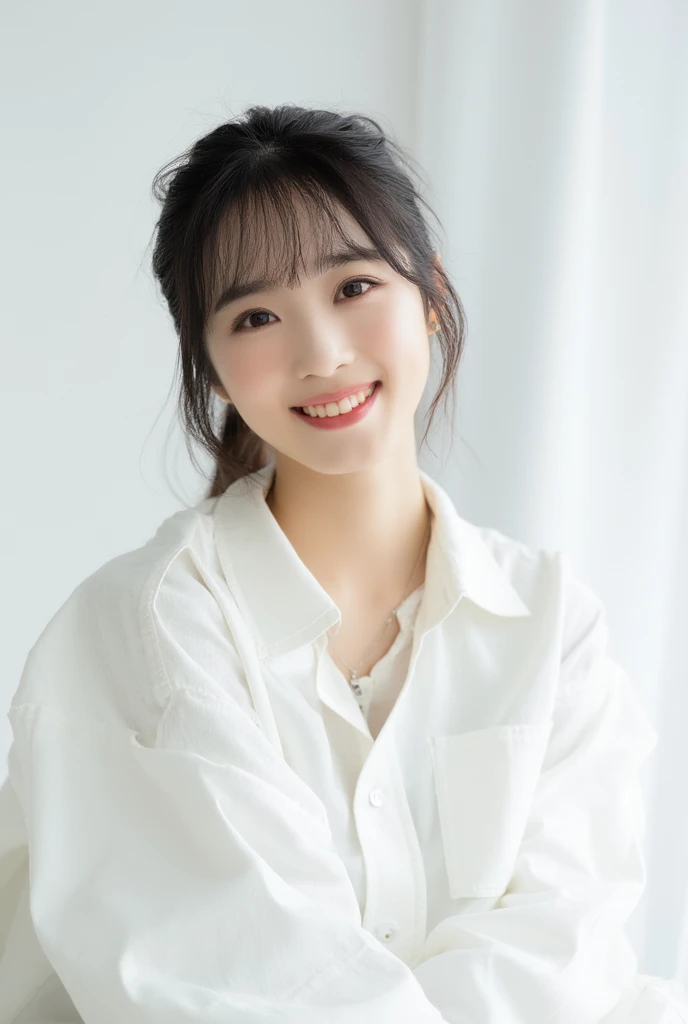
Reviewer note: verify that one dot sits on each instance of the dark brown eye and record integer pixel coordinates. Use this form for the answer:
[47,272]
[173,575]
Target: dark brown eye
[358,280]
[243,317]
[247,316]
[252,315]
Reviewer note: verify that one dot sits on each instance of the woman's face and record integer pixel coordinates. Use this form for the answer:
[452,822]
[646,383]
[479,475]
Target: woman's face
[353,324]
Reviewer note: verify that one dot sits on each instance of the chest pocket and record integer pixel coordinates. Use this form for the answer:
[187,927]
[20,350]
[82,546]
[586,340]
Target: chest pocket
[484,781]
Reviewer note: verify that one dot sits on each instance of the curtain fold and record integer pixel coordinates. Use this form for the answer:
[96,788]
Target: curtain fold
[556,140]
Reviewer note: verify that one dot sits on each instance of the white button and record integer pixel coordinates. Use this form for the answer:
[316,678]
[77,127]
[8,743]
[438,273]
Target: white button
[387,931]
[376,797]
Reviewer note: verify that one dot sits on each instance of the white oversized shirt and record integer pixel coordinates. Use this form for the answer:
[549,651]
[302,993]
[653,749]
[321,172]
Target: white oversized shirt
[199,824]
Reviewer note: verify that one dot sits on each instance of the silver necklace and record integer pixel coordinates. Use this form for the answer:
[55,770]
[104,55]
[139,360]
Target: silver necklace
[353,683]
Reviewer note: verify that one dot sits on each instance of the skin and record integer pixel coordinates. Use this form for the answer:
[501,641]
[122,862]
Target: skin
[349,501]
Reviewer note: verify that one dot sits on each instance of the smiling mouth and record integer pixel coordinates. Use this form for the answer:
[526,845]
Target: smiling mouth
[303,410]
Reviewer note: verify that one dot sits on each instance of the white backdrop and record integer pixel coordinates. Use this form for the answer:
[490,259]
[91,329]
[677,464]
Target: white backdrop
[554,138]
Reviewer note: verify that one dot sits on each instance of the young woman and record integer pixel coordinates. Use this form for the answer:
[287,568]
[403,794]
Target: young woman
[321,750]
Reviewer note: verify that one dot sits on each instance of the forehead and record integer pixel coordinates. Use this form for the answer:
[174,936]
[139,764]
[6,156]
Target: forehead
[266,245]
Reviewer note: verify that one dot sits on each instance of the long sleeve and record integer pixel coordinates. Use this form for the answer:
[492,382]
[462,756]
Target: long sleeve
[553,947]
[171,887]
[191,877]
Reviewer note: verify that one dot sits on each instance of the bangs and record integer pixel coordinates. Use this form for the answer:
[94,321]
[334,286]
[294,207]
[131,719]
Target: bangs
[276,232]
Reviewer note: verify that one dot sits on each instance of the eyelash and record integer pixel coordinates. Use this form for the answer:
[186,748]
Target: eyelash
[236,328]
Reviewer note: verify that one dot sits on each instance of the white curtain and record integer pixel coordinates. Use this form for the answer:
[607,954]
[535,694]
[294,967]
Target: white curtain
[555,135]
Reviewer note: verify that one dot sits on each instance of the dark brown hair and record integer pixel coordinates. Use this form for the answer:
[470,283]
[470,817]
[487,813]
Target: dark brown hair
[256,166]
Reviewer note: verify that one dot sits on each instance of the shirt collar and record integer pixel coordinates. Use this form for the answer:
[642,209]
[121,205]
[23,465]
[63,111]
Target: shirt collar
[283,604]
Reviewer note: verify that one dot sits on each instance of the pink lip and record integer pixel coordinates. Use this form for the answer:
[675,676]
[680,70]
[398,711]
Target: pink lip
[334,396]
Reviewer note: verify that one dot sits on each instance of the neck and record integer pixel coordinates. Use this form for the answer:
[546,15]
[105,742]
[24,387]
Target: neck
[354,531]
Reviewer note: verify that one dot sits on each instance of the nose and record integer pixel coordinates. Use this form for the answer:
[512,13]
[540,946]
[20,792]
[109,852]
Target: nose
[322,352]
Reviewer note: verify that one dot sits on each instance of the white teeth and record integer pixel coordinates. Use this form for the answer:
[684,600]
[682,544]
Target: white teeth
[339,408]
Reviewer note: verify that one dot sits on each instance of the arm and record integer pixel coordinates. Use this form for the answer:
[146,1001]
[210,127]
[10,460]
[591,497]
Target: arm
[553,946]
[190,875]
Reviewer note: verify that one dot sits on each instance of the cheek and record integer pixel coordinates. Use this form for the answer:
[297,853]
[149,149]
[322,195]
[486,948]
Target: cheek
[399,341]
[252,371]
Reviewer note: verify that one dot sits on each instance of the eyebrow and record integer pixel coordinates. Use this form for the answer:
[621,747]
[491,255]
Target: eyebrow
[328,261]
